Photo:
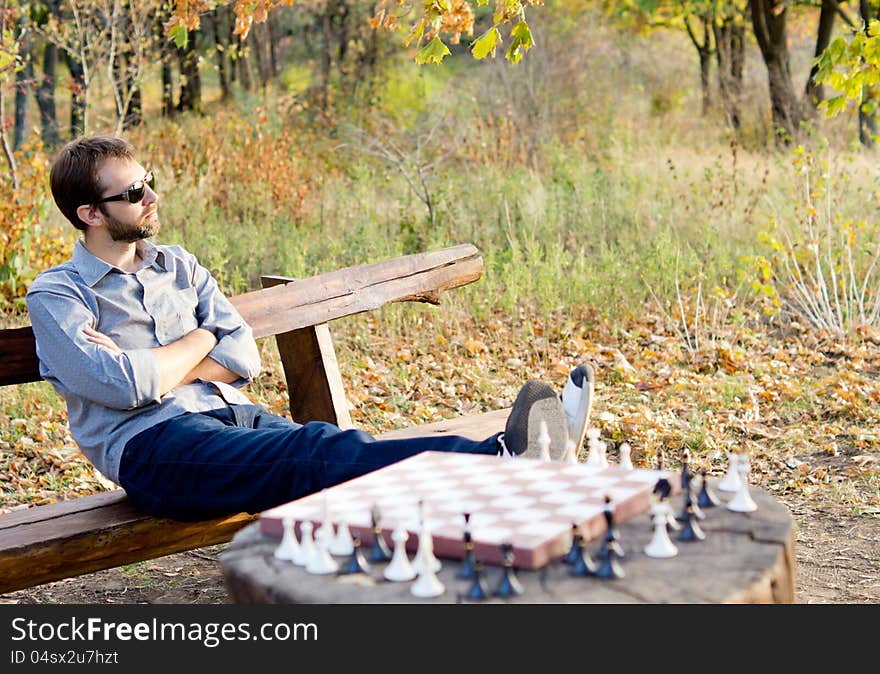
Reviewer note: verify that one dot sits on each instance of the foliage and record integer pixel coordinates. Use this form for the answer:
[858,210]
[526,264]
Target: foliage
[432,21]
[27,244]
[822,268]
[851,64]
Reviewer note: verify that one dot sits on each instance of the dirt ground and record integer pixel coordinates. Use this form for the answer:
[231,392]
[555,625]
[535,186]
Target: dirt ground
[838,562]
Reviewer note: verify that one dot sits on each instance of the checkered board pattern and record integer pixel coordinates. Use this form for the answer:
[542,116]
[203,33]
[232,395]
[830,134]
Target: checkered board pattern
[528,503]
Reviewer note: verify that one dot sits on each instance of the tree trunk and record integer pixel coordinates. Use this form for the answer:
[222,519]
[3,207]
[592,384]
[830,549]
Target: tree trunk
[244,73]
[769,24]
[219,31]
[704,51]
[730,55]
[257,39]
[326,46]
[24,82]
[46,96]
[814,93]
[190,80]
[77,96]
[867,118]
[274,47]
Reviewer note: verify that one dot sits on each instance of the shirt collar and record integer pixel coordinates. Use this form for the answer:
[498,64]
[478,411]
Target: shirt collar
[92,269]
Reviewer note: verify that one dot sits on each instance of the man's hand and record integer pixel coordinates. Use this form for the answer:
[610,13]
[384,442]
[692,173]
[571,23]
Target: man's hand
[102,340]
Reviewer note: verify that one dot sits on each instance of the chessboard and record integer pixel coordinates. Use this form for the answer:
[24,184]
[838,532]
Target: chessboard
[528,503]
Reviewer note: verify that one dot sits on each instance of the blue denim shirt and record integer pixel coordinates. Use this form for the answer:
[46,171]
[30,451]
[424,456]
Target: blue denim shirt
[111,398]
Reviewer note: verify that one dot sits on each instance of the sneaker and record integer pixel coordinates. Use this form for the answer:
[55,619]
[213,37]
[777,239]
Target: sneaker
[577,401]
[536,401]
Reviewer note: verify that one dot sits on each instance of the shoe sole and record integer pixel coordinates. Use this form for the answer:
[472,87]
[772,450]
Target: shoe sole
[543,404]
[578,429]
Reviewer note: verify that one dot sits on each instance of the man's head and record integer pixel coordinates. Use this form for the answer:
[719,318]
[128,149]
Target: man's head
[96,181]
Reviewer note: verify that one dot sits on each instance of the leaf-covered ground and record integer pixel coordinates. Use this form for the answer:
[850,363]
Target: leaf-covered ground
[805,406]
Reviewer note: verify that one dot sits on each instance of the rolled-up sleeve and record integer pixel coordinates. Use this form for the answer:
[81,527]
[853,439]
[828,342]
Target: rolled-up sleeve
[236,348]
[75,365]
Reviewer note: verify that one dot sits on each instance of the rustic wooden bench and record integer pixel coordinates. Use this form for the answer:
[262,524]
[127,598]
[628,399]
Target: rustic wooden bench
[100,531]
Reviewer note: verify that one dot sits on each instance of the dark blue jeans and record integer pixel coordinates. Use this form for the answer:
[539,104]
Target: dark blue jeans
[244,459]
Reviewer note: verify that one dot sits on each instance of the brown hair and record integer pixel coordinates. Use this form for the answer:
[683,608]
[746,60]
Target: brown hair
[74,175]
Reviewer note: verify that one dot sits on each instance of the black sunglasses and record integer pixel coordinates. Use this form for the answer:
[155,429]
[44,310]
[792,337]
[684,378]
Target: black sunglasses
[135,192]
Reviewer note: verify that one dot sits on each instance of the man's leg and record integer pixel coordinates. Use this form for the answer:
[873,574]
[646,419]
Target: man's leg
[244,459]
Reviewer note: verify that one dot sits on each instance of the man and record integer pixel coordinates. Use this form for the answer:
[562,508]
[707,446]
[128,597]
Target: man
[150,357]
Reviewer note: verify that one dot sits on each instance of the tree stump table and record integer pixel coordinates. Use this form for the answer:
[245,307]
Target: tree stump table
[745,558]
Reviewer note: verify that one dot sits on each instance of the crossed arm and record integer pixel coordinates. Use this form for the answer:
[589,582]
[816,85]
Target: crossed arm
[188,355]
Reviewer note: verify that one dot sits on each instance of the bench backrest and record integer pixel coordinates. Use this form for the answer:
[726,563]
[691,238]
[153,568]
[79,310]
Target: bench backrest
[296,313]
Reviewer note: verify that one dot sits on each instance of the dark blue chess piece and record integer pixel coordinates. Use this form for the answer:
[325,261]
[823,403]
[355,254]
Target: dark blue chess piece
[706,498]
[573,552]
[379,550]
[478,591]
[691,531]
[467,569]
[509,585]
[356,563]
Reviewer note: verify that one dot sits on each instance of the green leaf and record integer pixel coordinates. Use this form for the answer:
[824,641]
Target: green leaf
[5,59]
[180,36]
[434,51]
[522,41]
[834,106]
[486,43]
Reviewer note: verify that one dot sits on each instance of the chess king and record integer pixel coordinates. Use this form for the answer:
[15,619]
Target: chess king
[151,359]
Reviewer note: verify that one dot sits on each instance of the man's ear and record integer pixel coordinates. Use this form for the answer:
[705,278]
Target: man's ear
[89,214]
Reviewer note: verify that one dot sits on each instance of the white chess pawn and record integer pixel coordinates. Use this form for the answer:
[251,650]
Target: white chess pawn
[731,481]
[425,550]
[593,442]
[661,546]
[428,584]
[399,568]
[544,441]
[321,562]
[603,459]
[306,544]
[743,502]
[342,543]
[570,452]
[288,550]
[625,460]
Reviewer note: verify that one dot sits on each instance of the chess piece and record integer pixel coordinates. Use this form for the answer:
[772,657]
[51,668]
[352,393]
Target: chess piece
[466,572]
[731,481]
[288,549]
[399,569]
[379,551]
[477,591]
[742,502]
[570,452]
[321,562]
[583,564]
[689,508]
[661,546]
[509,585]
[593,442]
[306,544]
[625,460]
[544,441]
[576,540]
[611,532]
[603,457]
[685,471]
[342,543]
[356,562]
[706,498]
[663,489]
[425,558]
[326,523]
[691,530]
[427,585]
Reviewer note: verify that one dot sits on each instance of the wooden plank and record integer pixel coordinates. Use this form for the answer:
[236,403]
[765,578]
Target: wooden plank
[314,383]
[349,291]
[99,538]
[18,356]
[473,426]
[313,301]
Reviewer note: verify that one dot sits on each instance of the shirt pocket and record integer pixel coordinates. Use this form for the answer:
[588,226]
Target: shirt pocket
[176,314]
